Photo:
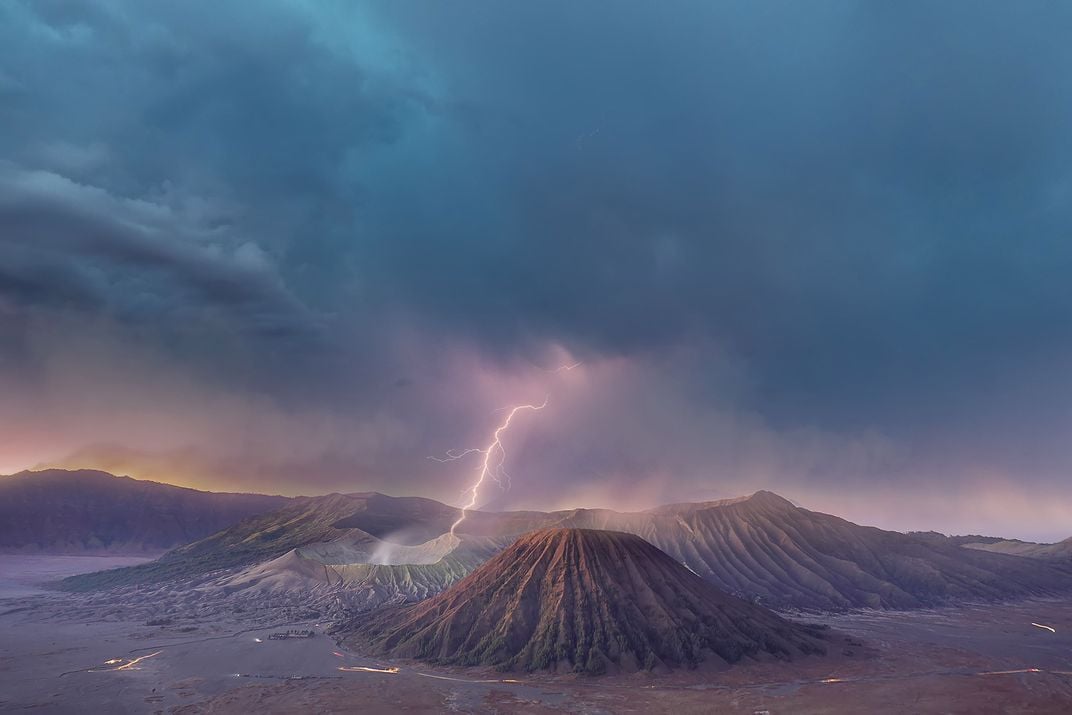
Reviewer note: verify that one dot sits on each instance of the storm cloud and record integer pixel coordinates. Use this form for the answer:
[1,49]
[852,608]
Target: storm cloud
[819,248]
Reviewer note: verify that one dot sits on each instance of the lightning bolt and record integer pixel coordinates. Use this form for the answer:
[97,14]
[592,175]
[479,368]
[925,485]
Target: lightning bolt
[560,368]
[494,459]
[454,455]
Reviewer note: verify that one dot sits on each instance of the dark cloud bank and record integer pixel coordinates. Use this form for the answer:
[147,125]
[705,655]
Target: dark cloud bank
[822,248]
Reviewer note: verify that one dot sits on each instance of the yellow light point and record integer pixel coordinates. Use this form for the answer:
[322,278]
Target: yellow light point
[486,468]
[1011,672]
[363,669]
[135,661]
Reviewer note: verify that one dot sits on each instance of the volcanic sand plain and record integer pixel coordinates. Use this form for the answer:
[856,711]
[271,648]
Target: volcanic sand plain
[60,654]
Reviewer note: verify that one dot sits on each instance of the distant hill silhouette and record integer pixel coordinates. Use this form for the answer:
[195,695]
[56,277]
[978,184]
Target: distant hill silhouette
[1061,552]
[57,511]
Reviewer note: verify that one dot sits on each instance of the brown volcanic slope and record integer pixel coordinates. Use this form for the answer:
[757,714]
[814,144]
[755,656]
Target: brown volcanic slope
[91,512]
[583,600]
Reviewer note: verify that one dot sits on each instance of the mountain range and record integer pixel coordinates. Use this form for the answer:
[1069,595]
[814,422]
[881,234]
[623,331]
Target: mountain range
[57,511]
[1059,552]
[761,548]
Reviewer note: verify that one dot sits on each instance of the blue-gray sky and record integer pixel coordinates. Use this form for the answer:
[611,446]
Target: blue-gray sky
[822,248]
